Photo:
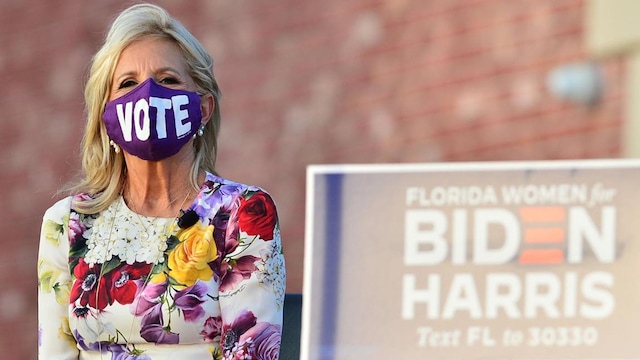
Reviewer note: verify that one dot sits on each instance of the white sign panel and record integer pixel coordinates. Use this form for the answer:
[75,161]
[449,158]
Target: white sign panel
[526,260]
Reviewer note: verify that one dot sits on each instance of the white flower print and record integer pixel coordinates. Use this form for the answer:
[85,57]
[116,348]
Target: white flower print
[132,238]
[272,269]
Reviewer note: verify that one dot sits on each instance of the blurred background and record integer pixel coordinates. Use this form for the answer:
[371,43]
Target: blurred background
[317,82]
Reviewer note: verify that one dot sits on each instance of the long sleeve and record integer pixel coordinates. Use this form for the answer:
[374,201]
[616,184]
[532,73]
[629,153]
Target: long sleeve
[55,340]
[253,283]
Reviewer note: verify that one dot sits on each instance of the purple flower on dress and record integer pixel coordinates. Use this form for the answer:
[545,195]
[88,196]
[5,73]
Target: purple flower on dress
[219,222]
[125,355]
[76,227]
[82,197]
[234,271]
[149,298]
[149,304]
[266,340]
[246,338]
[220,194]
[231,332]
[229,270]
[95,346]
[212,328]
[226,194]
[189,301]
[152,329]
[120,352]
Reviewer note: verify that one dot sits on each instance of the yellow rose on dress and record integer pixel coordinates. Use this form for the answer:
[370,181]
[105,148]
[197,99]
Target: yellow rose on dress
[189,260]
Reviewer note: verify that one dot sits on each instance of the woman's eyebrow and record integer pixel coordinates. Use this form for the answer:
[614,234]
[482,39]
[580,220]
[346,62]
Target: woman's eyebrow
[163,69]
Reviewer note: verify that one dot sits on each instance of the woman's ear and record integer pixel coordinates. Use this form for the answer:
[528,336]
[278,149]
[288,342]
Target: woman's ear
[207,106]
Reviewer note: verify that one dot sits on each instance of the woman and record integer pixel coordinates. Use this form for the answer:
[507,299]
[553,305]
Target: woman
[155,256]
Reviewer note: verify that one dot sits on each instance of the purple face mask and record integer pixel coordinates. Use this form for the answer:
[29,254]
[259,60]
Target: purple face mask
[153,122]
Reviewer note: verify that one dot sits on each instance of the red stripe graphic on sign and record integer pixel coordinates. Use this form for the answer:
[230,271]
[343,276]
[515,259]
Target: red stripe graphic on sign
[543,225]
[543,214]
[541,256]
[545,235]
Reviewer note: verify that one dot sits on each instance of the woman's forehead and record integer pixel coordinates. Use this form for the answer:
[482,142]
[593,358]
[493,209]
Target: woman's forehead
[150,53]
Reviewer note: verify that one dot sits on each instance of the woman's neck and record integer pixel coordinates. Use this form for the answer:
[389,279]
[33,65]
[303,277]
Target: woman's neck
[158,188]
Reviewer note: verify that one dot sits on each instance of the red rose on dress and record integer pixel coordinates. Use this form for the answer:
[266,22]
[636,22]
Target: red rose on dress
[257,215]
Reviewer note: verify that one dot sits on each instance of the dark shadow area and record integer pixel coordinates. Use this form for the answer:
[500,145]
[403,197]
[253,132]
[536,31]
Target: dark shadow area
[292,321]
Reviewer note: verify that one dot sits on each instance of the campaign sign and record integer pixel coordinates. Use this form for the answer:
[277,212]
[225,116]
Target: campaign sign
[515,260]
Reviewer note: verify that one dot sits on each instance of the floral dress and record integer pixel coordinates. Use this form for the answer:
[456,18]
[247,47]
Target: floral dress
[117,285]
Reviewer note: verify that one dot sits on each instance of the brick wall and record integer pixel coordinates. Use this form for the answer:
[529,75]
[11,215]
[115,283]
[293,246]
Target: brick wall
[304,82]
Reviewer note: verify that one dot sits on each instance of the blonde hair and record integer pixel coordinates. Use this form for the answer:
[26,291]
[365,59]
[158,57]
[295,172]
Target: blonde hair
[104,170]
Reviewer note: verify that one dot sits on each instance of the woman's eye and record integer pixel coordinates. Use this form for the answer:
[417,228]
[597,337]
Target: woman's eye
[169,81]
[126,84]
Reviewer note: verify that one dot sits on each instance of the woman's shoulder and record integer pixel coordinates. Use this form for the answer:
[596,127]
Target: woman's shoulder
[217,183]
[67,204]
[221,193]
[59,209]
